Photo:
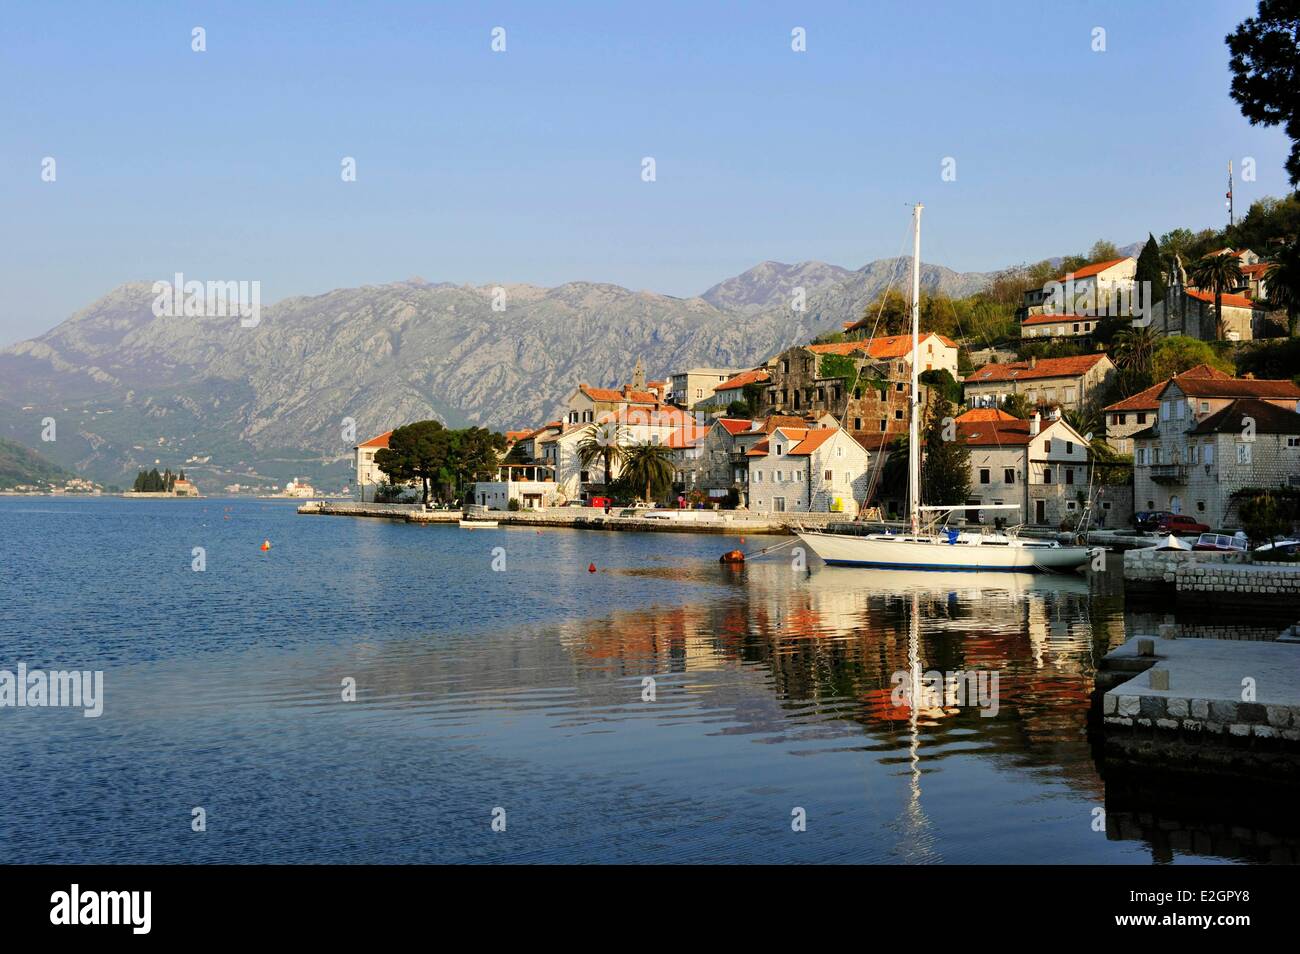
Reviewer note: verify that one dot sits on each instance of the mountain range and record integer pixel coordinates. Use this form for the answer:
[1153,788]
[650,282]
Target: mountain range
[257,405]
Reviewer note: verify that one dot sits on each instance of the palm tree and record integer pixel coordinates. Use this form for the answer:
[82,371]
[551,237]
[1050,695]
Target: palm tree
[1135,348]
[601,442]
[1217,273]
[649,465]
[1283,283]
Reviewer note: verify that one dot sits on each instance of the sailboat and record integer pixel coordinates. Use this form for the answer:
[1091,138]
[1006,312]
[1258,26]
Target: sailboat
[931,545]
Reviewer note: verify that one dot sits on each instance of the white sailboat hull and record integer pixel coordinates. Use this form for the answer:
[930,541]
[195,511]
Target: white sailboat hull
[969,553]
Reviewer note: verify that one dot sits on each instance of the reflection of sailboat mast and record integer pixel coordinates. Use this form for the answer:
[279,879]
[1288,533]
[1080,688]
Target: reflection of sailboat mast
[918,843]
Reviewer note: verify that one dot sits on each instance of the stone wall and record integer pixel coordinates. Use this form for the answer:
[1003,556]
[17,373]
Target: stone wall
[1212,573]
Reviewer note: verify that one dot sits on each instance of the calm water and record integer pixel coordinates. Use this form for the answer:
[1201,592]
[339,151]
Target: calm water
[522,690]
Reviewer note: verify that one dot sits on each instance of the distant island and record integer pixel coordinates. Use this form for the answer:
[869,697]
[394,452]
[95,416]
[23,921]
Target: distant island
[165,484]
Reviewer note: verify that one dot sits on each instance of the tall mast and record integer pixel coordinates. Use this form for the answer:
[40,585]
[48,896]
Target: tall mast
[914,441]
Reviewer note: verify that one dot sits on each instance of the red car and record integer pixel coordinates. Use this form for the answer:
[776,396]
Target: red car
[1179,523]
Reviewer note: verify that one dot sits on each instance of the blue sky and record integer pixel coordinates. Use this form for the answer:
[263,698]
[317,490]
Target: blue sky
[525,166]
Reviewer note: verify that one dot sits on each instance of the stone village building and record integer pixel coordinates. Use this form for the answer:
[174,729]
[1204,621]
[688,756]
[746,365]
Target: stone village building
[1050,382]
[1041,465]
[1125,418]
[1211,437]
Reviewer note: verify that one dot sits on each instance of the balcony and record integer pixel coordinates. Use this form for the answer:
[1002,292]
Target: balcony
[1169,473]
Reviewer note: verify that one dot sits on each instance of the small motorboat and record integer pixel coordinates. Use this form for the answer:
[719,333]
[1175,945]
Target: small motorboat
[477,524]
[1171,542]
[1221,543]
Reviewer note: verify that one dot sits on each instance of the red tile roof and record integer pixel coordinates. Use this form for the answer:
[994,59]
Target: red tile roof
[1233,301]
[616,396]
[1259,268]
[885,346]
[1044,368]
[812,440]
[740,380]
[1267,418]
[1238,388]
[994,433]
[1089,270]
[1149,399]
[985,414]
[380,441]
[734,425]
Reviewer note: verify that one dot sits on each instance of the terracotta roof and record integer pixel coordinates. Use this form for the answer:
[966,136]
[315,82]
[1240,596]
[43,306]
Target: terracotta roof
[1051,319]
[1044,368]
[688,436]
[517,435]
[1237,388]
[616,396]
[838,347]
[1268,418]
[874,440]
[1233,301]
[380,441]
[1149,399]
[985,414]
[812,440]
[886,346]
[734,425]
[1259,268]
[803,441]
[769,424]
[740,380]
[1089,270]
[994,433]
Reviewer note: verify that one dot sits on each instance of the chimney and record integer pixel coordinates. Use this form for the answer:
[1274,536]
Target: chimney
[1035,424]
[1033,362]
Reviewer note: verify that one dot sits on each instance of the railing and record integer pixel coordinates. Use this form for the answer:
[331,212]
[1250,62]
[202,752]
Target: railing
[1169,473]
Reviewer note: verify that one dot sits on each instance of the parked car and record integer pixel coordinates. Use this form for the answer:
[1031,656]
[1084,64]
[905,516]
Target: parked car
[1221,543]
[1179,523]
[601,502]
[1149,519]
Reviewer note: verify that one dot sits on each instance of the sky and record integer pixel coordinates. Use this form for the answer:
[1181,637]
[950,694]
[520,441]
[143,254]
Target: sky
[526,165]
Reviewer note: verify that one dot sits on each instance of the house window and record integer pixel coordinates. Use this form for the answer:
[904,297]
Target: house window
[1209,453]
[1047,475]
[884,425]
[1205,406]
[1009,475]
[1142,417]
[1069,447]
[1155,455]
[1047,446]
[984,475]
[898,415]
[777,477]
[1164,410]
[785,367]
[1069,474]
[857,394]
[839,452]
[758,476]
[1069,505]
[1200,506]
[857,423]
[778,450]
[1243,453]
[1191,453]
[1293,442]
[829,476]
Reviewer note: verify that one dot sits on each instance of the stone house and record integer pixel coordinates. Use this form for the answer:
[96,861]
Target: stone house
[1045,326]
[936,351]
[1048,382]
[802,469]
[1041,465]
[867,396]
[696,387]
[714,464]
[1212,437]
[1096,289]
[733,389]
[1125,418]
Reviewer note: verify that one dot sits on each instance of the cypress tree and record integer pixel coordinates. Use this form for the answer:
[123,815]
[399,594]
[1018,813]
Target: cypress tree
[1148,270]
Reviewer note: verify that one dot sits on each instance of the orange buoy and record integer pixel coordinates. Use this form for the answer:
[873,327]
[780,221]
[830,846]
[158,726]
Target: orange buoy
[732,556]
[591,568]
[266,545]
